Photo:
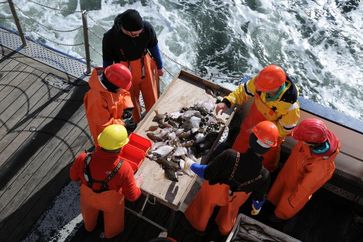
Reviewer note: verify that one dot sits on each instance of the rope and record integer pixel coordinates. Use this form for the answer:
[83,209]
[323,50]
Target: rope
[174,76]
[47,27]
[10,17]
[186,68]
[183,66]
[56,9]
[95,34]
[58,43]
[96,23]
[95,50]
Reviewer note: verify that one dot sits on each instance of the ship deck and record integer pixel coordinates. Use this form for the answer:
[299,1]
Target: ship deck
[43,127]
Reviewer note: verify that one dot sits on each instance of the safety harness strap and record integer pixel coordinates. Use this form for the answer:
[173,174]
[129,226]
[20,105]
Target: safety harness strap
[104,183]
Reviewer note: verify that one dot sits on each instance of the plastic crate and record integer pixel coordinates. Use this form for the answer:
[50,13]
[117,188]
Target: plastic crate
[134,151]
[140,142]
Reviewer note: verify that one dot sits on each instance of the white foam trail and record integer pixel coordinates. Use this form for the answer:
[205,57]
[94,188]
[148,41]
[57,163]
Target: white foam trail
[316,42]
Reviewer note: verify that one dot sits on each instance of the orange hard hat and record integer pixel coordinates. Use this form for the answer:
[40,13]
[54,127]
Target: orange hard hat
[311,130]
[119,75]
[270,78]
[266,133]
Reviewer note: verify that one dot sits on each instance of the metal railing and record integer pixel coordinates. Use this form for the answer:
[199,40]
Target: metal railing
[86,31]
[14,9]
[17,22]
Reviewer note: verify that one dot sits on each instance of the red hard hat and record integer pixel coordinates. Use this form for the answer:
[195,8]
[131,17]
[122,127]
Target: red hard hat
[311,130]
[270,78]
[266,133]
[119,75]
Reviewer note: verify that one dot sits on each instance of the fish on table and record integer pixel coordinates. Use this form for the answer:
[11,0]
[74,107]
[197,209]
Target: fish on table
[188,132]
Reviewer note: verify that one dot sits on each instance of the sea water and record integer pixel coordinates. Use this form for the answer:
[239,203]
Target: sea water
[319,43]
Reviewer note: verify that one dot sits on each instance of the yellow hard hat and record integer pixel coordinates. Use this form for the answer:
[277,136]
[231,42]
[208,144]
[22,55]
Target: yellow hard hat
[113,137]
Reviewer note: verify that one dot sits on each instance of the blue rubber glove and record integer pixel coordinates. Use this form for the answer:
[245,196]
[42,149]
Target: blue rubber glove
[198,169]
[189,164]
[256,206]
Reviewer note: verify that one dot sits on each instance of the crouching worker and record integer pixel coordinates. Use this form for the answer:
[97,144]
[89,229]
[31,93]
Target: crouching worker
[231,178]
[108,98]
[105,181]
[309,166]
[274,98]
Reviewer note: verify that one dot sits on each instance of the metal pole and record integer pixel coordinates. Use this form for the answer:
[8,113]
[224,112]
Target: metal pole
[86,41]
[17,22]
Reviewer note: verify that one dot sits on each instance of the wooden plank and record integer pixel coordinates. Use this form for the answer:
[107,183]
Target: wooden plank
[5,67]
[23,105]
[36,206]
[17,94]
[14,85]
[10,143]
[37,167]
[24,115]
[11,74]
[170,193]
[13,140]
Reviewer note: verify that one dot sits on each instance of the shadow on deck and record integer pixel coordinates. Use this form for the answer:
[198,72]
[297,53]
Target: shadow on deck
[42,128]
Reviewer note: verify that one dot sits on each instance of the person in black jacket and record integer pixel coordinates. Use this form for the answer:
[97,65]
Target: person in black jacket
[133,42]
[231,178]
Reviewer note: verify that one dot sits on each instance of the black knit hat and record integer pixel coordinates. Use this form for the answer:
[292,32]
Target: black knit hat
[131,20]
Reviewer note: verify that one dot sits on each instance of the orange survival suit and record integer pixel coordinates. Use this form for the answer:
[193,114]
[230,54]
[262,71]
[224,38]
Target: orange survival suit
[284,111]
[145,79]
[303,174]
[109,198]
[228,171]
[102,106]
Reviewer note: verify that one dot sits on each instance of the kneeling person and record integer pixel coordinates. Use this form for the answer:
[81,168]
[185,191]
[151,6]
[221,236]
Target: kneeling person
[231,178]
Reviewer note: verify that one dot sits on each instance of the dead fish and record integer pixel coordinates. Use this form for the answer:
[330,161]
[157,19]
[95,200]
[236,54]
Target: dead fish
[175,115]
[171,175]
[173,124]
[169,164]
[210,92]
[157,145]
[158,117]
[190,113]
[152,128]
[163,151]
[179,131]
[189,143]
[199,137]
[154,137]
[195,121]
[164,125]
[171,136]
[253,232]
[180,151]
[205,106]
[184,135]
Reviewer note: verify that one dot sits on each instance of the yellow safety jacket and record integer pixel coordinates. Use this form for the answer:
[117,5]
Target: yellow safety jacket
[284,111]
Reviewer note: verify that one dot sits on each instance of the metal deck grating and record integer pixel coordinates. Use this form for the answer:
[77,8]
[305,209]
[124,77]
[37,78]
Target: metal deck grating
[43,54]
